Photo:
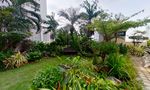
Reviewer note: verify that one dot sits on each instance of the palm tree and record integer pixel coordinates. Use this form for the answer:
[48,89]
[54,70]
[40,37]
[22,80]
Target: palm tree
[24,14]
[52,25]
[72,15]
[92,11]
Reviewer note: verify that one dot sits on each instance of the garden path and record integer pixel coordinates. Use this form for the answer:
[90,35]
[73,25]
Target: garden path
[144,73]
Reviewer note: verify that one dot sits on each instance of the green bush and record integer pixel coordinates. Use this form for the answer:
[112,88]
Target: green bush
[123,49]
[79,74]
[48,78]
[39,46]
[120,67]
[136,50]
[63,38]
[132,85]
[14,61]
[148,43]
[107,48]
[77,79]
[95,46]
[85,46]
[47,49]
[9,40]
[4,55]
[54,49]
[33,56]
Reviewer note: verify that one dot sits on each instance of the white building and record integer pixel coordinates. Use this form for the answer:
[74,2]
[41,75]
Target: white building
[42,11]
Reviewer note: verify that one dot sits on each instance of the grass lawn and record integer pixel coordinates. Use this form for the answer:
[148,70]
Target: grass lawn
[21,78]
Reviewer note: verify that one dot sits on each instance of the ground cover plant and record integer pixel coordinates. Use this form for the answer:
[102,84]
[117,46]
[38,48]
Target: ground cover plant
[136,50]
[81,75]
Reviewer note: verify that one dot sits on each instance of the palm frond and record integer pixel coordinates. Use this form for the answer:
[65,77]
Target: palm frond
[64,14]
[52,24]
[35,15]
[84,16]
[36,23]
[21,2]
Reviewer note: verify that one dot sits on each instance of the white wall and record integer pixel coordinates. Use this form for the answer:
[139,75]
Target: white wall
[97,37]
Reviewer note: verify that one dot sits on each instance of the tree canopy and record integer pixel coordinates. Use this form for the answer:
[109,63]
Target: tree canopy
[109,26]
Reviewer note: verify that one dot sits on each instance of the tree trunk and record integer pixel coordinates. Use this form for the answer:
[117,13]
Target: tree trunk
[106,38]
[116,38]
[72,29]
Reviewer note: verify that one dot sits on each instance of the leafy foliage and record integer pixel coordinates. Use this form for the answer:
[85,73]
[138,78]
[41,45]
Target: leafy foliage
[48,78]
[63,38]
[23,14]
[136,50]
[120,67]
[78,80]
[33,56]
[104,48]
[4,55]
[16,60]
[47,49]
[16,18]
[79,75]
[123,49]
[72,15]
[9,40]
[92,11]
[132,85]
[52,25]
[148,43]
[108,26]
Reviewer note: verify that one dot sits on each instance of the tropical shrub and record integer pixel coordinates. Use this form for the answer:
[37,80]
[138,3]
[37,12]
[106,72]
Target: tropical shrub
[136,50]
[16,60]
[132,85]
[75,43]
[77,79]
[95,47]
[120,67]
[48,78]
[148,43]
[47,49]
[63,38]
[107,48]
[85,46]
[39,46]
[4,55]
[9,40]
[123,49]
[26,45]
[54,49]
[2,66]
[33,56]
[79,74]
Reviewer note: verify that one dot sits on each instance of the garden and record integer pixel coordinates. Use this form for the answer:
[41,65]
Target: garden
[73,61]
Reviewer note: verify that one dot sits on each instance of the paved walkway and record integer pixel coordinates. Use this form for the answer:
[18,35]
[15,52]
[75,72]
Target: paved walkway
[144,73]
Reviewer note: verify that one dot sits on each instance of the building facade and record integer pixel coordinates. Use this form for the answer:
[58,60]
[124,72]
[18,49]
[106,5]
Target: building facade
[41,9]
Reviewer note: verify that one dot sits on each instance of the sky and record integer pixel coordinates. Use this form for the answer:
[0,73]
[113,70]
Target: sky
[126,7]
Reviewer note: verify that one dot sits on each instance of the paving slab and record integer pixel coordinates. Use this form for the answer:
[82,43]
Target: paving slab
[144,73]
